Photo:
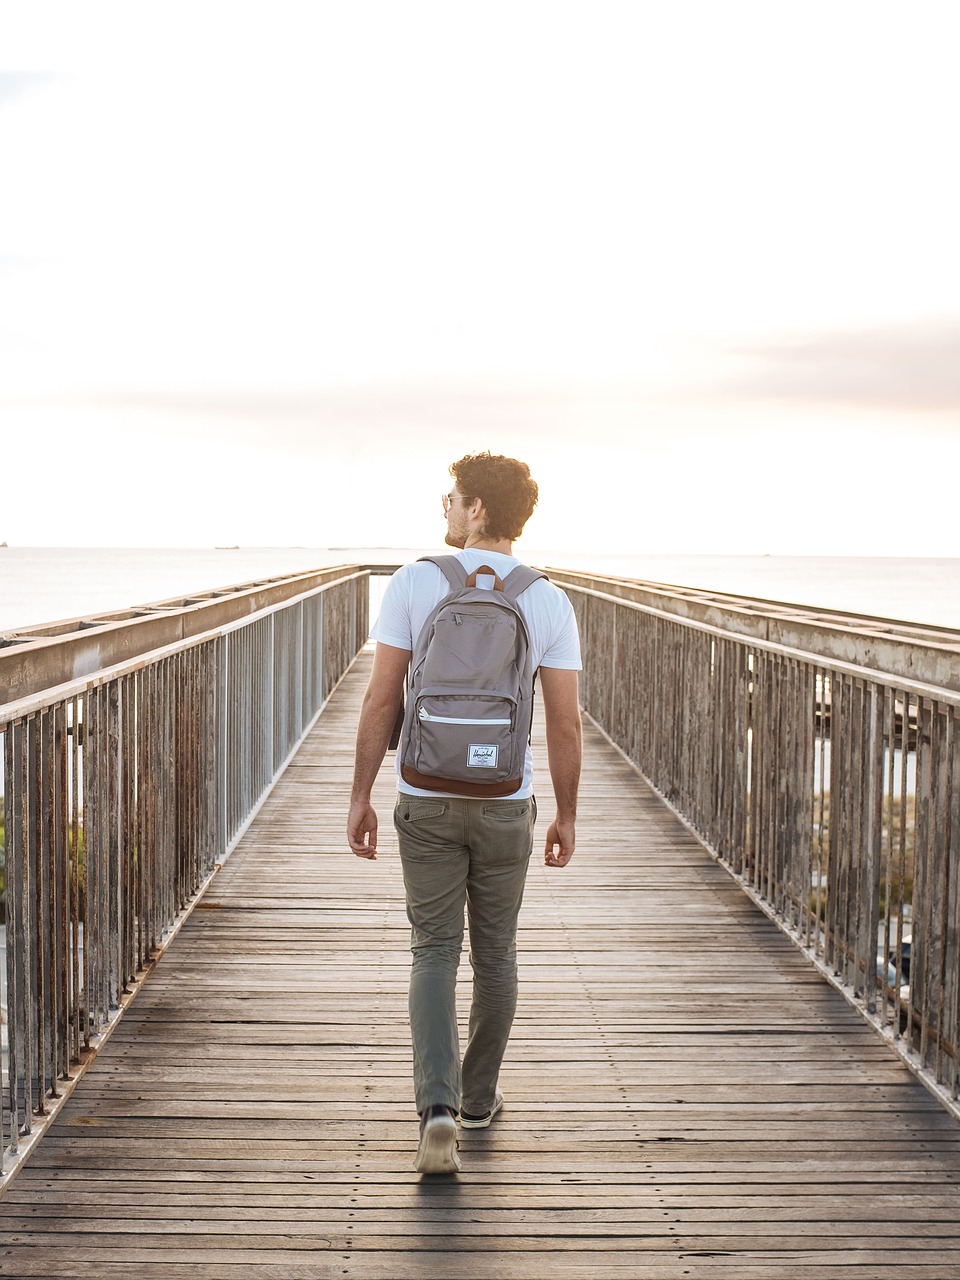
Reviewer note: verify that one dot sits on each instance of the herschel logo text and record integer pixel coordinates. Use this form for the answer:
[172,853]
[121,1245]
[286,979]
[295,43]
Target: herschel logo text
[482,755]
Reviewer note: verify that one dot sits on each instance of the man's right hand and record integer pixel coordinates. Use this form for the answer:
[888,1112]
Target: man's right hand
[362,829]
[377,716]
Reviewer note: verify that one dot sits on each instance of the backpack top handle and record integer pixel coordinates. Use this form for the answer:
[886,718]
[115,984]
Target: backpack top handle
[485,570]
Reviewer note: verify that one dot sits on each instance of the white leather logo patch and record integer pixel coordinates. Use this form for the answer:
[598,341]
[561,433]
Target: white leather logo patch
[481,755]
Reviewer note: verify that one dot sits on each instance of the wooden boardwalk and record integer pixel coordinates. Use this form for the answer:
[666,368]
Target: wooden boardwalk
[686,1097]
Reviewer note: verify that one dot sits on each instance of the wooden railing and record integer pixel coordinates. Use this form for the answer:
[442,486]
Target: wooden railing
[831,789]
[125,787]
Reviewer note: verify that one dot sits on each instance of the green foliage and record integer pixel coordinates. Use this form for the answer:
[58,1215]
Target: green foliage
[895,896]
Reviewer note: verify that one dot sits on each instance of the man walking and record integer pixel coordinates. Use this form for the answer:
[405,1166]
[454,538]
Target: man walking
[462,851]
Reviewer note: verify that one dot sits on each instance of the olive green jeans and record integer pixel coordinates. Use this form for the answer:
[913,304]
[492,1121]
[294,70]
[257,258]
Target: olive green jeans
[456,854]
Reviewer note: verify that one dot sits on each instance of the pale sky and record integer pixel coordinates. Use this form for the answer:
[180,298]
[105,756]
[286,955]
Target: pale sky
[267,268]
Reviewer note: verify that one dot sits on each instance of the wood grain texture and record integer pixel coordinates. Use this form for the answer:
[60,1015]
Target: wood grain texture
[685,1096]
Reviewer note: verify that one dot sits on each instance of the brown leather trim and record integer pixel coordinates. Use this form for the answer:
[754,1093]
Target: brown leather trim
[475,790]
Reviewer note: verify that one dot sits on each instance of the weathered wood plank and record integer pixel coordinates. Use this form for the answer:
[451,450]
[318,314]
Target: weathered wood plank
[571,1264]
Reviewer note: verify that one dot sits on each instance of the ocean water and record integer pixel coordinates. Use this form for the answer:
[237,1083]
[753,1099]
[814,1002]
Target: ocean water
[48,584]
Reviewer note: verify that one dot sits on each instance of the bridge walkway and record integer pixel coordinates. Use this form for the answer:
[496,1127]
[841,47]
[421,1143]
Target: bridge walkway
[686,1097]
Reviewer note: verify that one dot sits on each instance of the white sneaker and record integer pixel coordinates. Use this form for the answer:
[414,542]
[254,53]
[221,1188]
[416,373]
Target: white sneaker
[468,1121]
[437,1152]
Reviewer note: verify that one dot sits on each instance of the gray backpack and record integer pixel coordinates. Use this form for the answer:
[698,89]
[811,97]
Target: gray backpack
[470,691]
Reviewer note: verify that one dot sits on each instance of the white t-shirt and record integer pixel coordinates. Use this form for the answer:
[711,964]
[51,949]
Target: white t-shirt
[416,589]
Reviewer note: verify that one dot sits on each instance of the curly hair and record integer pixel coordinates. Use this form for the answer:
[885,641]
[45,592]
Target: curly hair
[504,486]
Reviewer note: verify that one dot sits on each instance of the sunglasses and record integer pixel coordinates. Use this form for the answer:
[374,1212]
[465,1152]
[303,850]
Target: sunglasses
[449,497]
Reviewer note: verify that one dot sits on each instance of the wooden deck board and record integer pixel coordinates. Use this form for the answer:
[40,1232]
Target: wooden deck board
[685,1096]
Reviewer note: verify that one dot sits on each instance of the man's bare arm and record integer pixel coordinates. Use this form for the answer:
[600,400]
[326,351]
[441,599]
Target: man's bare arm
[377,717]
[561,710]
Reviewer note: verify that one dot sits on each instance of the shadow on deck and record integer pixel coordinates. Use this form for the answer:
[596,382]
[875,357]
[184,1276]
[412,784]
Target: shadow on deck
[686,1097]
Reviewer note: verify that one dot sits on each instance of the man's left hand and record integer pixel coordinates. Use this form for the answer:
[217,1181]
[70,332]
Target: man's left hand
[561,842]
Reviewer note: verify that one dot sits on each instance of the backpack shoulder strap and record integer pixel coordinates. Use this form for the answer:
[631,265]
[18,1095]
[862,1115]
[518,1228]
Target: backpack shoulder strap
[519,578]
[451,568]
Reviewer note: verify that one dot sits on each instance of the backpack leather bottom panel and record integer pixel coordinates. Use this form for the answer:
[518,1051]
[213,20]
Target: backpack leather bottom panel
[476,790]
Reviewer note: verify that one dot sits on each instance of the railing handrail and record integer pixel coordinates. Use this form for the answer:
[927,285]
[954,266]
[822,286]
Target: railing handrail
[34,658]
[766,606]
[835,666]
[48,696]
[917,651]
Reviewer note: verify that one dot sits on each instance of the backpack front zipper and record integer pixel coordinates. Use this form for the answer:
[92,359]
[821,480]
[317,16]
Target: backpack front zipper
[425,715]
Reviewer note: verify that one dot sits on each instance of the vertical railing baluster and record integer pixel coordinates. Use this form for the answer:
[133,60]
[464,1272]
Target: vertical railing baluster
[904,825]
[61,912]
[870,846]
[219,691]
[128,827]
[89,772]
[76,913]
[14,766]
[952,856]
[43,784]
[944,917]
[924,880]
[32,1014]
[112,899]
